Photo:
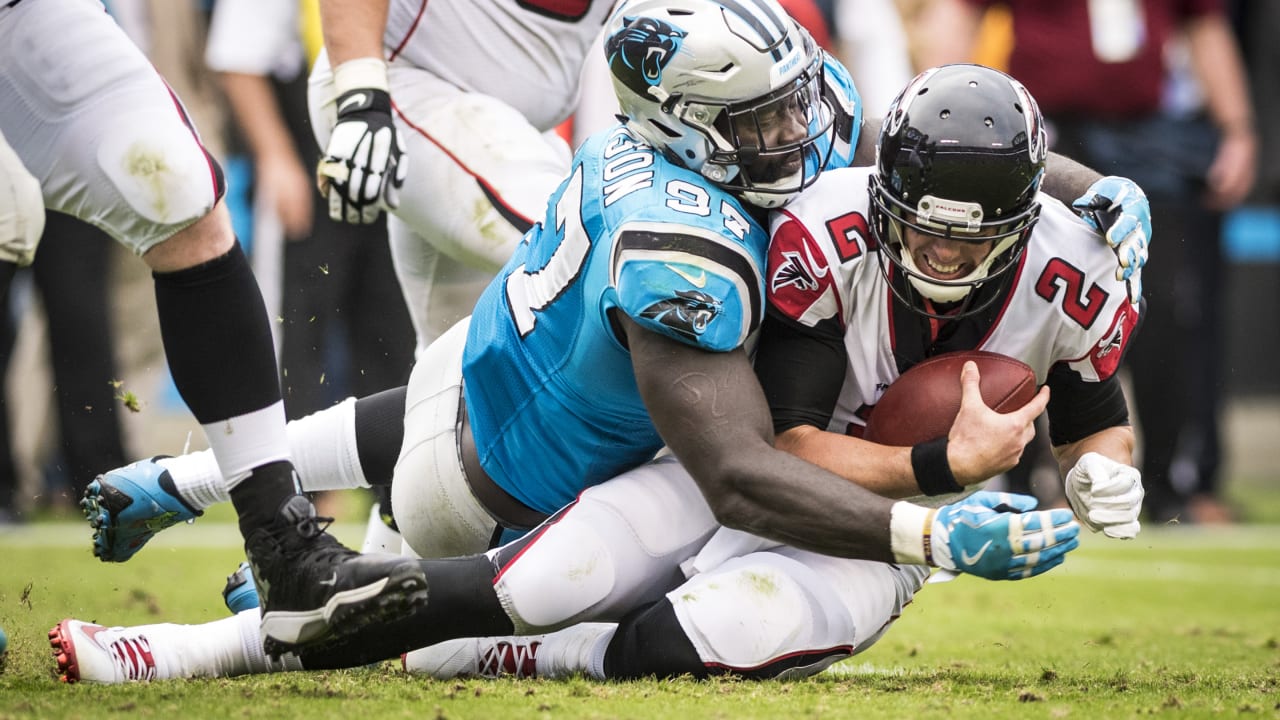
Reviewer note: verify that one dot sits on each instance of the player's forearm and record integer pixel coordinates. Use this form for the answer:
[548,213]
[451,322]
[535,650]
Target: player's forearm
[777,495]
[710,410]
[353,28]
[950,28]
[1218,65]
[881,469]
[1116,443]
[258,116]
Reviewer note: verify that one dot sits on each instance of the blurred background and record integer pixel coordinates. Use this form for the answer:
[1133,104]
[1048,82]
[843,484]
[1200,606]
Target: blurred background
[86,387]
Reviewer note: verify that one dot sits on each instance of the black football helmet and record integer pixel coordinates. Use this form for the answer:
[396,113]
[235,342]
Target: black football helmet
[961,155]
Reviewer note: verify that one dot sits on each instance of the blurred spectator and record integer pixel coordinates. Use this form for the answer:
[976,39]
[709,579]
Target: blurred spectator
[70,274]
[345,328]
[870,40]
[1103,71]
[1259,23]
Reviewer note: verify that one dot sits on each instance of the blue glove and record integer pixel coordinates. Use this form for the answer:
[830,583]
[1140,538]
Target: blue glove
[996,536]
[1118,209]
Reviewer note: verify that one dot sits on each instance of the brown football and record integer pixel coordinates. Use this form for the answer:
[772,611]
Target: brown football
[922,404]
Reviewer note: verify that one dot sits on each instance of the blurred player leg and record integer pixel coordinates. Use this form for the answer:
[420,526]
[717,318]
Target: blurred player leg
[110,143]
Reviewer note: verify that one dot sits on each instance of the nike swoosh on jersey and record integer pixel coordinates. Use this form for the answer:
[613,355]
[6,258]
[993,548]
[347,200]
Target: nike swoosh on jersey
[699,281]
[974,558]
[357,99]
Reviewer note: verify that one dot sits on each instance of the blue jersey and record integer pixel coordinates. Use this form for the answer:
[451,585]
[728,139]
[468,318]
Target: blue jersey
[550,390]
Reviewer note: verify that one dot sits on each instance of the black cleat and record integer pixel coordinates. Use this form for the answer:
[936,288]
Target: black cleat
[313,590]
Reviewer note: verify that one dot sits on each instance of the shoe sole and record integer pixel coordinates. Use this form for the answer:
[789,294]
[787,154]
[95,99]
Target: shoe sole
[64,652]
[346,613]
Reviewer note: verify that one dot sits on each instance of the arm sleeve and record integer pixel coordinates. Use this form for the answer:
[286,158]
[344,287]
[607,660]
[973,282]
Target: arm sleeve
[1078,409]
[801,370]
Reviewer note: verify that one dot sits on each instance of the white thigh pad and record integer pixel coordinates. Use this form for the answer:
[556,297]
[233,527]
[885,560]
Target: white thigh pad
[480,173]
[617,547]
[435,510]
[157,167]
[756,609]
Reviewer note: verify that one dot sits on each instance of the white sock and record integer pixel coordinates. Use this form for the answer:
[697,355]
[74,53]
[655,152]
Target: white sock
[378,538]
[248,441]
[323,446]
[255,657]
[576,649]
[324,451]
[197,478]
[213,649]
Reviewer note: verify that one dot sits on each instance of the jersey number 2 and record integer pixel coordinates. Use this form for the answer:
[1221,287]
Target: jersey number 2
[1080,305]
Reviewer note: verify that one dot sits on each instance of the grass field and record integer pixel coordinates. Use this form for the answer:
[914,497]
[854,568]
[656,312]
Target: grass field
[1183,622]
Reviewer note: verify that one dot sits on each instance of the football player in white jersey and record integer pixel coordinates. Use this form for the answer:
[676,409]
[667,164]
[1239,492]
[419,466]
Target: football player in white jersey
[110,144]
[628,538]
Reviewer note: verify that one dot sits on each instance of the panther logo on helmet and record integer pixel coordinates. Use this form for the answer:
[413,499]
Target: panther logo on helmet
[640,50]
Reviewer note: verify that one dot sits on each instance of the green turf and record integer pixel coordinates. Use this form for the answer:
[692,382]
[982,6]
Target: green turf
[1181,623]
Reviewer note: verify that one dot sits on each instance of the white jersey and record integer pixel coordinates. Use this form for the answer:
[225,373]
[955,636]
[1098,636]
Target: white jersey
[540,46]
[1065,307]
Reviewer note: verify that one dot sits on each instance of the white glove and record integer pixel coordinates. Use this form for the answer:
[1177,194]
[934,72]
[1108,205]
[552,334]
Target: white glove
[1117,207]
[1106,495]
[364,166]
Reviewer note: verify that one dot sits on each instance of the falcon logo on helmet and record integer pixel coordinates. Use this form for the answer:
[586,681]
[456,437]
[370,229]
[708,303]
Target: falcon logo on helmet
[640,50]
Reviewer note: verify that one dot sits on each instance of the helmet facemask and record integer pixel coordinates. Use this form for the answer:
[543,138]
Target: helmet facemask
[768,149]
[956,221]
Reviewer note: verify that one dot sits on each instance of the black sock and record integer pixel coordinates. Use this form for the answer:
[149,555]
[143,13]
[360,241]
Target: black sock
[217,338]
[649,642]
[259,496]
[379,434]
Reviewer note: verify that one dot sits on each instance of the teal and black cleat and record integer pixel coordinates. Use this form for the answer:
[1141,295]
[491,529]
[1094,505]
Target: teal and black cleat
[240,593]
[127,506]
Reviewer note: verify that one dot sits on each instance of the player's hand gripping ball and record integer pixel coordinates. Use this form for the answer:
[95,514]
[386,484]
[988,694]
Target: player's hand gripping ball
[922,404]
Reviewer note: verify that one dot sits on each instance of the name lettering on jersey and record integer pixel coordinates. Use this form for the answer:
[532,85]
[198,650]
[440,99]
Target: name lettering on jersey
[1080,305]
[627,168]
[850,233]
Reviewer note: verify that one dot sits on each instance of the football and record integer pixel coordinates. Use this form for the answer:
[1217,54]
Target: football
[923,402]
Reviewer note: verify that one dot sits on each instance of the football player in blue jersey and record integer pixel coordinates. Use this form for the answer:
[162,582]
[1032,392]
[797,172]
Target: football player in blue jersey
[617,327]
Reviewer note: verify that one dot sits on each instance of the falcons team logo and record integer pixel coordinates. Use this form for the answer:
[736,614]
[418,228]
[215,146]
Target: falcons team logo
[800,272]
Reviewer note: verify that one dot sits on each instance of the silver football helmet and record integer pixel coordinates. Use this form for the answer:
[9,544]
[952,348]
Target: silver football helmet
[731,90]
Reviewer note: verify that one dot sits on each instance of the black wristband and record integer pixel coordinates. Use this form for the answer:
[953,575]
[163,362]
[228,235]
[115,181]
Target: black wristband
[933,472]
[362,100]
